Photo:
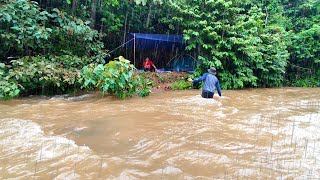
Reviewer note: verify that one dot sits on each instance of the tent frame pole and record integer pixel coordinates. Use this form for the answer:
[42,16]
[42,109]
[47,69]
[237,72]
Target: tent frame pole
[134,49]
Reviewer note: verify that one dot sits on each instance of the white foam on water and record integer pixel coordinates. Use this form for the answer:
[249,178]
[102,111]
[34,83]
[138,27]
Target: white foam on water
[246,172]
[198,100]
[196,107]
[131,174]
[80,98]
[67,176]
[24,145]
[24,134]
[156,155]
[79,129]
[139,163]
[304,127]
[199,157]
[167,170]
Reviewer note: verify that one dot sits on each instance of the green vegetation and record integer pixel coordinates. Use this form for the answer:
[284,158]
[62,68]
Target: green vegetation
[145,84]
[180,85]
[27,31]
[8,87]
[37,72]
[116,77]
[45,44]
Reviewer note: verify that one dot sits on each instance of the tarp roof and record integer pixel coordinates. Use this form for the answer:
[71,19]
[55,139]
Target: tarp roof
[155,41]
[182,63]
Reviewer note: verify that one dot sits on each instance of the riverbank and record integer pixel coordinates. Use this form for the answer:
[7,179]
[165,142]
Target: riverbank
[158,81]
[162,81]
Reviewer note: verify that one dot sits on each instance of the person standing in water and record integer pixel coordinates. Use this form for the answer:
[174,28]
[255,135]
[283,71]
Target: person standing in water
[210,83]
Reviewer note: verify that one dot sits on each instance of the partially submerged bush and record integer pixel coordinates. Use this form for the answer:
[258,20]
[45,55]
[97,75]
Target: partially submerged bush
[8,87]
[59,74]
[180,85]
[33,74]
[307,82]
[145,83]
[116,78]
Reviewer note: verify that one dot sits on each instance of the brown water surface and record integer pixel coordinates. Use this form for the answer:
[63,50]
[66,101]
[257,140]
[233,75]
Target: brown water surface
[247,134]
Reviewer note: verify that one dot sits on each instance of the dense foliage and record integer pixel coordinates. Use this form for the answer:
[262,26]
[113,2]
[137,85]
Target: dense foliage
[26,30]
[47,49]
[234,39]
[252,43]
[39,75]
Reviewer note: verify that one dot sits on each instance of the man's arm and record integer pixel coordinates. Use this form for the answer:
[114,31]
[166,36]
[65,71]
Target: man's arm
[152,64]
[201,78]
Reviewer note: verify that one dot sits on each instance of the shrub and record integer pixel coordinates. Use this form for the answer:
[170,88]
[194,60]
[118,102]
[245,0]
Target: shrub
[307,82]
[34,73]
[8,88]
[116,78]
[145,83]
[180,85]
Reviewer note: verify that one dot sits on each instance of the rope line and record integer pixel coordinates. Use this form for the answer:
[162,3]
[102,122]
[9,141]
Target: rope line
[121,45]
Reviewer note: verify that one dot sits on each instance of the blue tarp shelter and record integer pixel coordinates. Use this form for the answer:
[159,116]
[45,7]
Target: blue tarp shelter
[155,41]
[158,42]
[182,63]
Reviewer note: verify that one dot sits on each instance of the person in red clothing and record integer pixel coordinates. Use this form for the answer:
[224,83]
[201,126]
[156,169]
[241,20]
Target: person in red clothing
[148,65]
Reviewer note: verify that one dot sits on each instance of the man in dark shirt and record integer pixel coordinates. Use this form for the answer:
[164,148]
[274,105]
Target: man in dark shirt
[210,83]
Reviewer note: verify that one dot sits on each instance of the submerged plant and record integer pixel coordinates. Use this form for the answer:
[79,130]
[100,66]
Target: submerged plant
[180,85]
[8,88]
[145,83]
[117,77]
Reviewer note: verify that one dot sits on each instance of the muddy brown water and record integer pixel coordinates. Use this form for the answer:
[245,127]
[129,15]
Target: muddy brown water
[247,134]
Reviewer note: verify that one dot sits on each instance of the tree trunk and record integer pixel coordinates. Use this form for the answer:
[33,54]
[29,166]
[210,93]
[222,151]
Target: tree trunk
[101,31]
[93,13]
[148,17]
[266,20]
[125,28]
[74,5]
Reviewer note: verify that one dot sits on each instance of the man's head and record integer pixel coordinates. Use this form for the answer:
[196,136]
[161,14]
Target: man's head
[212,70]
[147,59]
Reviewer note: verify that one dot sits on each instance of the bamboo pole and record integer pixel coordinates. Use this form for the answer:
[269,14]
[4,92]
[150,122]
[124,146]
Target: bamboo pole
[134,49]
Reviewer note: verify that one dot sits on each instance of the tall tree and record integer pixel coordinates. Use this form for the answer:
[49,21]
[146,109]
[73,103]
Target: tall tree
[93,13]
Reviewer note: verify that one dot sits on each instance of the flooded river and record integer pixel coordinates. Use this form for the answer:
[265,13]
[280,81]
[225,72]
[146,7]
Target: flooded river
[247,134]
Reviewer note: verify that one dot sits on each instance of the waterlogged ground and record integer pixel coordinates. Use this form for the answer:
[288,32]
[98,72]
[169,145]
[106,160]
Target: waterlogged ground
[247,134]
